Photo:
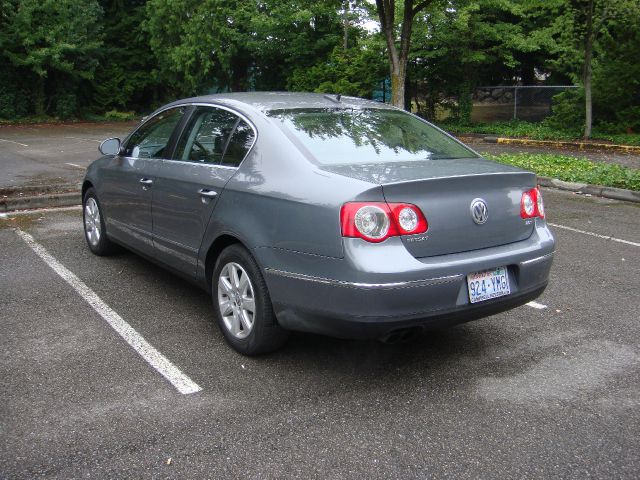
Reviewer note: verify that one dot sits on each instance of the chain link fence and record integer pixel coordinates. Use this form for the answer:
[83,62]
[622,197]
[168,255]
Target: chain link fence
[502,103]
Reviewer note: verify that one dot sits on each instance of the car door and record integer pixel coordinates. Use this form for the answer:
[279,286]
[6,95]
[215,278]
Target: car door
[211,146]
[128,180]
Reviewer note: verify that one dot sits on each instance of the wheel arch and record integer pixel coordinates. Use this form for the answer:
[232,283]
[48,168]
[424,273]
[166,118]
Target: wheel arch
[86,185]
[214,251]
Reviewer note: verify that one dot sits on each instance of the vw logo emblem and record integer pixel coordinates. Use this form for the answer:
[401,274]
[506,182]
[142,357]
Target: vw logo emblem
[479,211]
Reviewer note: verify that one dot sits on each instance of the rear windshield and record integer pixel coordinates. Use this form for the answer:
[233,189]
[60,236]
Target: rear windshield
[366,136]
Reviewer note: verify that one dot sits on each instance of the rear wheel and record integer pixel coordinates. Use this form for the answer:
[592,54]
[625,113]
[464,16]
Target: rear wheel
[94,227]
[242,304]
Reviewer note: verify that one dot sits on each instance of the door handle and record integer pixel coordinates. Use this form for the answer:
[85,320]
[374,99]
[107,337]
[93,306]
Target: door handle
[204,192]
[146,182]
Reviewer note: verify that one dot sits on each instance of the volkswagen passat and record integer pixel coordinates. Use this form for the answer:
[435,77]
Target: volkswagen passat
[317,213]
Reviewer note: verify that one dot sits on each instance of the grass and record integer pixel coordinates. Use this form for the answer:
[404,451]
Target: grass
[537,131]
[573,169]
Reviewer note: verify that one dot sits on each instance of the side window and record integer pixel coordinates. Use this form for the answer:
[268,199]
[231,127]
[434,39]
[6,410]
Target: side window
[239,145]
[150,140]
[205,138]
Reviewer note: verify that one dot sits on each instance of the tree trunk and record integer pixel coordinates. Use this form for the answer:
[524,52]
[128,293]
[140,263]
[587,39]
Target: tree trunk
[588,70]
[40,97]
[398,57]
[345,25]
[588,106]
[398,78]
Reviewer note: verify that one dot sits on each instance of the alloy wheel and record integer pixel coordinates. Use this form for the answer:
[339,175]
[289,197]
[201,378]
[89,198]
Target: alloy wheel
[92,225]
[236,300]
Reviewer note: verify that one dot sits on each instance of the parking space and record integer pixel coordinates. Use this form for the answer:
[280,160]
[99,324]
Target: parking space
[545,390]
[50,154]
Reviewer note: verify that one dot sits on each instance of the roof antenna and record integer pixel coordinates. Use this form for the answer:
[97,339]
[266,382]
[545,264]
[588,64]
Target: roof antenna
[334,100]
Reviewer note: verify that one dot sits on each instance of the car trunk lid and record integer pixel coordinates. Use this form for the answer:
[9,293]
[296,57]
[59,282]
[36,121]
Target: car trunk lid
[444,190]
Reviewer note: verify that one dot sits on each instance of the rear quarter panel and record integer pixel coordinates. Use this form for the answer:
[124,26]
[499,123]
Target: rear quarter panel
[278,199]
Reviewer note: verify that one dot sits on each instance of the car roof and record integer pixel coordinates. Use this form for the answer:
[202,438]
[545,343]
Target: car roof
[268,101]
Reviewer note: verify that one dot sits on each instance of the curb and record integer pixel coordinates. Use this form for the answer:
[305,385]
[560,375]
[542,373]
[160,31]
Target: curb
[595,190]
[41,201]
[556,143]
[39,189]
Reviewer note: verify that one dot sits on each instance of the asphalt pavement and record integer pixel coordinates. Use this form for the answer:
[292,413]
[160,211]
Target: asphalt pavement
[550,390]
[51,154]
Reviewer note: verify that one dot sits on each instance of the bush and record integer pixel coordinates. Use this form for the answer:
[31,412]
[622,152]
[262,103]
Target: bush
[573,169]
[546,130]
[7,105]
[66,105]
[568,110]
[118,116]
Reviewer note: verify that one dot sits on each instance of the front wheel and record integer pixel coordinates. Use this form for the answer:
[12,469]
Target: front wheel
[242,304]
[94,227]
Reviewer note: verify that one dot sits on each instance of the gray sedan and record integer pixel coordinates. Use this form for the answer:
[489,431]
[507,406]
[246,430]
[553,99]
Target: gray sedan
[319,213]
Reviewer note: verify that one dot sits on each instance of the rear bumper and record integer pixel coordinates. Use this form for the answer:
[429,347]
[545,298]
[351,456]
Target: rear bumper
[347,325]
[374,291]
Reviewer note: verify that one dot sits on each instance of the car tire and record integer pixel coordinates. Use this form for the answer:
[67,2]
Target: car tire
[242,304]
[95,232]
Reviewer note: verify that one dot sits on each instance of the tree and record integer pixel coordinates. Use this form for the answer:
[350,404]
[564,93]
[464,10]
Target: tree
[578,29]
[398,55]
[236,45]
[474,42]
[354,71]
[54,42]
[125,76]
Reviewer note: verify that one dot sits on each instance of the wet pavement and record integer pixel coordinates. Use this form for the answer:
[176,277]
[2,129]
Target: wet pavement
[52,154]
[545,391]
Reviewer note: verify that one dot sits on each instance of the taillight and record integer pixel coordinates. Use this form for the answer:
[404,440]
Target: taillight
[531,204]
[377,221]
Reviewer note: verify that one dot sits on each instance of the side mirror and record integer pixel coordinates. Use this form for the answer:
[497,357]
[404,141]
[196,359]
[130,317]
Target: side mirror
[111,146]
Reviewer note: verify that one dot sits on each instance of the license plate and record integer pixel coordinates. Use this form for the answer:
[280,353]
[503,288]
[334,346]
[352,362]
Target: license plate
[489,284]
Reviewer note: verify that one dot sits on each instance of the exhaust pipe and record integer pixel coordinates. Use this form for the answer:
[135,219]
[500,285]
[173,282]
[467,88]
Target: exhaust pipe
[400,336]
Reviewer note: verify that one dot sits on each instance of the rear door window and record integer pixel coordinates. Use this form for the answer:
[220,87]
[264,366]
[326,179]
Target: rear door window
[241,141]
[206,136]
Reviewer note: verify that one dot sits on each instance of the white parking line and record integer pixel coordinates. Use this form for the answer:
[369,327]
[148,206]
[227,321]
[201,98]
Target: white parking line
[536,305]
[158,361]
[75,165]
[597,235]
[85,139]
[11,141]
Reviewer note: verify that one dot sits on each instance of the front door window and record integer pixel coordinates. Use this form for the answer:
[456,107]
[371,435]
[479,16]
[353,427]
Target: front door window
[151,139]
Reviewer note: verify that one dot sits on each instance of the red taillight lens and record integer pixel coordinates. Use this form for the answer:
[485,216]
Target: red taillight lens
[531,204]
[377,221]
[409,218]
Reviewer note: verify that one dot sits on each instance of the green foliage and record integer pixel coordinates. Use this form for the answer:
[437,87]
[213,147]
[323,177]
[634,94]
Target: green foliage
[573,169]
[355,71]
[568,109]
[69,58]
[50,45]
[118,116]
[66,105]
[125,78]
[596,44]
[546,130]
[472,43]
[218,45]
